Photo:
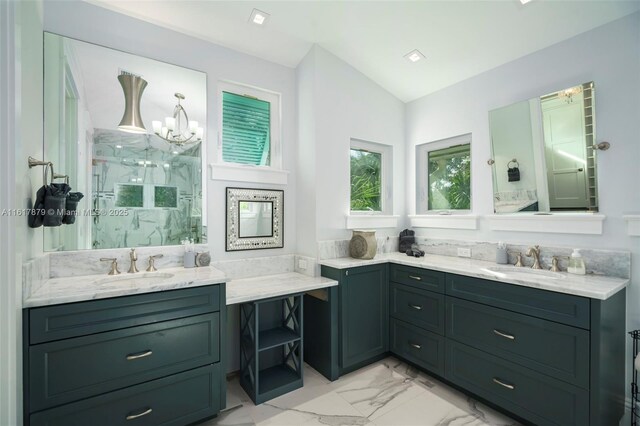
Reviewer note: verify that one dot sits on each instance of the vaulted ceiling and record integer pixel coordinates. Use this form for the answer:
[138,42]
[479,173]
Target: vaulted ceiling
[460,39]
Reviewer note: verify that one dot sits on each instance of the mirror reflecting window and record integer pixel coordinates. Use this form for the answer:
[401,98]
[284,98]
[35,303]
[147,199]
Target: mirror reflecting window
[543,154]
[128,132]
[254,219]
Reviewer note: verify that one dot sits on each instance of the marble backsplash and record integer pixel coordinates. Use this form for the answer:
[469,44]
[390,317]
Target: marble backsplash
[34,274]
[334,249]
[87,262]
[614,263]
[255,266]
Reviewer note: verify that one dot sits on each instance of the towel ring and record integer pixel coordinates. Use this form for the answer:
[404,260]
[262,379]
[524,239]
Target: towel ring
[47,167]
[513,161]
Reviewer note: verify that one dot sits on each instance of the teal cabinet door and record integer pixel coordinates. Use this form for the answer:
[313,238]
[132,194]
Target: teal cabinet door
[364,316]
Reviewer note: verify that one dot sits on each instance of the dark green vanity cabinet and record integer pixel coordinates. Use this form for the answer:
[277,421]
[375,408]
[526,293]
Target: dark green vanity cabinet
[363,315]
[152,358]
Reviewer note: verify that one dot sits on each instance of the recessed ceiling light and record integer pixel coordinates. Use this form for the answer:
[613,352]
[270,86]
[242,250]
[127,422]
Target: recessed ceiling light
[414,56]
[258,17]
[524,1]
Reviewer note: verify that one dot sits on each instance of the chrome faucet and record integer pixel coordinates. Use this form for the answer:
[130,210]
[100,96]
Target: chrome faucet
[133,256]
[114,265]
[152,265]
[535,253]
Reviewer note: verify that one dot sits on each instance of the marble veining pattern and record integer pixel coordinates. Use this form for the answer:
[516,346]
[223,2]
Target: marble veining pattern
[592,286]
[335,249]
[88,287]
[248,289]
[259,266]
[35,274]
[388,392]
[87,262]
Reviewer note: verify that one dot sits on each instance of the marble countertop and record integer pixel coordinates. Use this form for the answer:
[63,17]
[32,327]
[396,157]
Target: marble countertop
[264,287]
[89,287]
[592,286]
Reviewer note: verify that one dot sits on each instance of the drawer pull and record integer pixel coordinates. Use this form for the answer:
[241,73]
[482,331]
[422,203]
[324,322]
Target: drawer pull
[503,384]
[505,335]
[415,345]
[415,277]
[135,416]
[416,307]
[139,355]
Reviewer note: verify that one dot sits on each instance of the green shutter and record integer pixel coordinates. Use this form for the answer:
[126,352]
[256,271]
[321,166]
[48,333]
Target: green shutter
[245,130]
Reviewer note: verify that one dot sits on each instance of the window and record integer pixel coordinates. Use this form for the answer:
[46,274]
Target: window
[250,126]
[370,177]
[444,175]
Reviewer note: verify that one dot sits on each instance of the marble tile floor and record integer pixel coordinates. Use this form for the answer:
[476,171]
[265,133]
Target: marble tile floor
[388,392]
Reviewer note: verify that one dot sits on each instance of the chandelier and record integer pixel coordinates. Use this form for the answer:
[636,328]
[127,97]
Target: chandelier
[568,94]
[178,129]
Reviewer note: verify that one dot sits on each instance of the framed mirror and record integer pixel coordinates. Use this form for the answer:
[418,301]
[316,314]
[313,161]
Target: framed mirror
[544,153]
[254,219]
[128,132]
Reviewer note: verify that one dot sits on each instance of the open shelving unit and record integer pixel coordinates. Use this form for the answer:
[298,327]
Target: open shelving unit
[271,346]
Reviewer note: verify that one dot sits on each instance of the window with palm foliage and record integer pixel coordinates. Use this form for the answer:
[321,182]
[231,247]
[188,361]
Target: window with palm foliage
[449,174]
[366,180]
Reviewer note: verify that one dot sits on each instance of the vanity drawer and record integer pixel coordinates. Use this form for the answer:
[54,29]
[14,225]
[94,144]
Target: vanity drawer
[68,370]
[419,346]
[417,277]
[171,401]
[82,318]
[558,307]
[536,397]
[554,349]
[418,307]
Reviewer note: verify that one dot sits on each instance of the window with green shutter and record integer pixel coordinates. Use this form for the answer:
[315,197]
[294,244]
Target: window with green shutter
[246,130]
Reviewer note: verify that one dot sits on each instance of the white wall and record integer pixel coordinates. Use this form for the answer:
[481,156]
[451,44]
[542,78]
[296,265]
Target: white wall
[337,103]
[93,24]
[609,56]
[21,135]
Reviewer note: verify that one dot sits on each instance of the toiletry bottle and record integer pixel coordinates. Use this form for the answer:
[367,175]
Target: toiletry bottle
[576,263]
[502,257]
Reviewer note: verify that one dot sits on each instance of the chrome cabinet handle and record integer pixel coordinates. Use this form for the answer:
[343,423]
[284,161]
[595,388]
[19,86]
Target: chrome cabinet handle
[505,335]
[503,384]
[144,354]
[415,277]
[416,307]
[415,345]
[135,416]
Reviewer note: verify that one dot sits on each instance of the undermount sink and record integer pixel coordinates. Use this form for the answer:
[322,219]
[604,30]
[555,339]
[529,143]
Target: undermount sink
[140,277]
[524,272]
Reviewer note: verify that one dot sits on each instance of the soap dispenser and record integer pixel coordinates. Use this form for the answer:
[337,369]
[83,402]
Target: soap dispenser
[576,263]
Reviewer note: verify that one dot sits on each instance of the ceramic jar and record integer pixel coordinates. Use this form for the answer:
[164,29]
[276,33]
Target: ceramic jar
[363,245]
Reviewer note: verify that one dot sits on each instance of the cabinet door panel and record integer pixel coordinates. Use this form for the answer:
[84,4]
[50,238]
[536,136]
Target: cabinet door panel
[364,315]
[171,401]
[522,339]
[418,346]
[95,316]
[418,307]
[536,397]
[71,369]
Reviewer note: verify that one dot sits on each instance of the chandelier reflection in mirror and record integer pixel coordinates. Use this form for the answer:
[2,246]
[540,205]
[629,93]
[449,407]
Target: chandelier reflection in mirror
[178,129]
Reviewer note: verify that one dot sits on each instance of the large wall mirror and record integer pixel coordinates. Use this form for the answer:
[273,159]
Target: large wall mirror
[128,132]
[543,153]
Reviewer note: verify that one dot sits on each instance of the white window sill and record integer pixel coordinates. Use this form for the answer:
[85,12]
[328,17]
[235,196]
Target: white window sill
[364,221]
[633,224]
[556,223]
[447,221]
[247,173]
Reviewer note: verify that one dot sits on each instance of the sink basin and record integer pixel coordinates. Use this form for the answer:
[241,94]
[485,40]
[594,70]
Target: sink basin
[523,273]
[139,277]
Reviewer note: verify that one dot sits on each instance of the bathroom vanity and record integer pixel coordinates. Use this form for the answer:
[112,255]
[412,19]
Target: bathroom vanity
[550,351]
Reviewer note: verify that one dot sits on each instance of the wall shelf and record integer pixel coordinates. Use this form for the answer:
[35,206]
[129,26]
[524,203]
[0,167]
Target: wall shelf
[556,223]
